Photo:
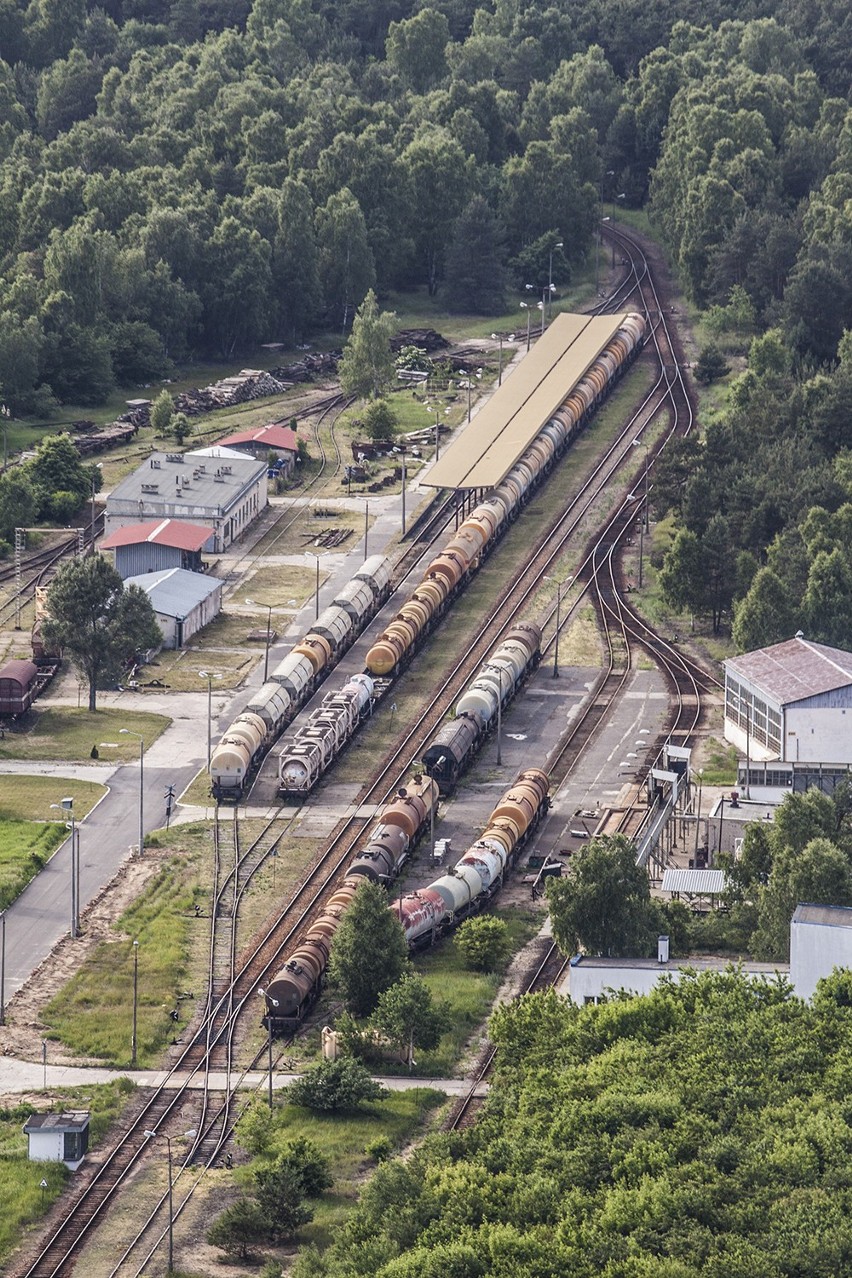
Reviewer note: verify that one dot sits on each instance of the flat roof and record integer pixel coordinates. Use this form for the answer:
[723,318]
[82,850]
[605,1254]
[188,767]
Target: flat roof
[175,591]
[697,962]
[74,1120]
[163,532]
[506,426]
[827,915]
[794,670]
[212,482]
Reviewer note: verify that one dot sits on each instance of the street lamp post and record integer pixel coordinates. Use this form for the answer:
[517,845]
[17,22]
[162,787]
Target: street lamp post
[168,1139]
[498,337]
[67,806]
[366,526]
[557,245]
[209,676]
[273,1002]
[2,967]
[500,718]
[127,732]
[609,173]
[268,607]
[559,585]
[133,1039]
[525,306]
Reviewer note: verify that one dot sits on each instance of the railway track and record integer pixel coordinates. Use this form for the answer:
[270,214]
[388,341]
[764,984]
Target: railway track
[38,568]
[263,955]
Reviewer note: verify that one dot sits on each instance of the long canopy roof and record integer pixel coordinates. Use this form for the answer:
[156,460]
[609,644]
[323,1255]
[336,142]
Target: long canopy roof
[505,427]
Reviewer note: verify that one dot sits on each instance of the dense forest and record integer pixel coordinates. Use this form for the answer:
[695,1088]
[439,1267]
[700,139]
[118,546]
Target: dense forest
[703,1129]
[196,177]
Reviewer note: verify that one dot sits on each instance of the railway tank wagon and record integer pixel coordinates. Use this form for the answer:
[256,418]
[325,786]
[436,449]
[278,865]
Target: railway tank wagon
[427,914]
[455,743]
[295,986]
[294,680]
[319,741]
[477,534]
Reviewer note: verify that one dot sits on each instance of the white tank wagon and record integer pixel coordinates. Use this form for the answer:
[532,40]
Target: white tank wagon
[320,740]
[297,677]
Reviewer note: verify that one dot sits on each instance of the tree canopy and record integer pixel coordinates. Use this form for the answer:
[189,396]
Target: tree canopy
[369,953]
[97,620]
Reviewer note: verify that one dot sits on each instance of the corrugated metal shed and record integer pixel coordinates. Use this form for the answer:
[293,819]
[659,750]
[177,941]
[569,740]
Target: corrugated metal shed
[506,426]
[791,671]
[175,592]
[695,882]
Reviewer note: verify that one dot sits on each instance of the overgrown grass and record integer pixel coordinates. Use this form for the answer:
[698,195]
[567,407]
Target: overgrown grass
[281,585]
[25,847]
[343,1138]
[92,1014]
[68,734]
[29,798]
[23,1200]
[720,763]
[181,670]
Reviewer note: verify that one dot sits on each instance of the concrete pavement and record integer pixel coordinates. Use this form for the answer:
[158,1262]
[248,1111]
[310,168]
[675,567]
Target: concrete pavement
[18,1077]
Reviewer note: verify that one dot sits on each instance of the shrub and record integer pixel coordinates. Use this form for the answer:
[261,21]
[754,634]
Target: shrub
[341,1084]
[483,941]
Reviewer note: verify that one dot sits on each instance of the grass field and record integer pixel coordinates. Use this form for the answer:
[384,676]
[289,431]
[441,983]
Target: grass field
[92,1014]
[67,734]
[183,670]
[344,1139]
[25,847]
[29,798]
[282,585]
[24,1201]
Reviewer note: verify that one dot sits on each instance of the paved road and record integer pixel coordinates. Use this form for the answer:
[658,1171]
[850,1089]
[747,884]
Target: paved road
[41,915]
[17,1077]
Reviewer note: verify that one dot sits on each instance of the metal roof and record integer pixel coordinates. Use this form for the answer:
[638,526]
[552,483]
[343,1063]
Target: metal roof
[506,426]
[211,484]
[163,532]
[273,435]
[73,1120]
[21,670]
[175,591]
[791,671]
[828,915]
[695,882]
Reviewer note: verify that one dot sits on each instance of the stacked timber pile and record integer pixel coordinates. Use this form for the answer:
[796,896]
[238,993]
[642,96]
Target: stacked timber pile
[109,437]
[318,364]
[248,384]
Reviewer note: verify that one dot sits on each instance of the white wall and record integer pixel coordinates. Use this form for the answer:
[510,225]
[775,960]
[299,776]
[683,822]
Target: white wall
[588,981]
[46,1146]
[818,735]
[816,949]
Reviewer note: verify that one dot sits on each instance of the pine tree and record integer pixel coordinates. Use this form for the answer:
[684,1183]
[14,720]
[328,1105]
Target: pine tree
[369,953]
[476,278]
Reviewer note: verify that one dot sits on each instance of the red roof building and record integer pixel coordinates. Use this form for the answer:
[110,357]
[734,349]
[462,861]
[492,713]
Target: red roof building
[158,544]
[266,439]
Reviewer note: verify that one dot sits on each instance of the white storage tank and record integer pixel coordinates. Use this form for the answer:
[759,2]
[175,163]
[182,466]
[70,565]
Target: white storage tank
[335,625]
[294,673]
[272,703]
[376,571]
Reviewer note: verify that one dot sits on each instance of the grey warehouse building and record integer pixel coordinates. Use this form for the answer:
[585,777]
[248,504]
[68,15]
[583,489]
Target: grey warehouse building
[184,602]
[225,496]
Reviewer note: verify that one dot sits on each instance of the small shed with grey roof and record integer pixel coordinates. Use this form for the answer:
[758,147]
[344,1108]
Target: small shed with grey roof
[183,601]
[791,702]
[820,941]
[58,1138]
[225,494]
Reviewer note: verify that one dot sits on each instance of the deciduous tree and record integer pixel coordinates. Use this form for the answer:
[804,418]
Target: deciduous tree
[102,624]
[367,366]
[407,1016]
[368,953]
[604,904]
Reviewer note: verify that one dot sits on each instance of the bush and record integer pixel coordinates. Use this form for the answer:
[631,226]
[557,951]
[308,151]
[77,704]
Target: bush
[711,365]
[379,1149]
[483,941]
[238,1227]
[309,1164]
[380,421]
[341,1084]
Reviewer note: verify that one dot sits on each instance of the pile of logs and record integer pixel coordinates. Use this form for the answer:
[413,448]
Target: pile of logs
[250,383]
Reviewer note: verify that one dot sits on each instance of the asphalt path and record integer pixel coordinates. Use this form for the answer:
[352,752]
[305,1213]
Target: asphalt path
[41,915]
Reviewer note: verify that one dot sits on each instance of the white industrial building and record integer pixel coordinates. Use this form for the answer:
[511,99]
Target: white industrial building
[788,709]
[183,601]
[820,941]
[591,978]
[222,494]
